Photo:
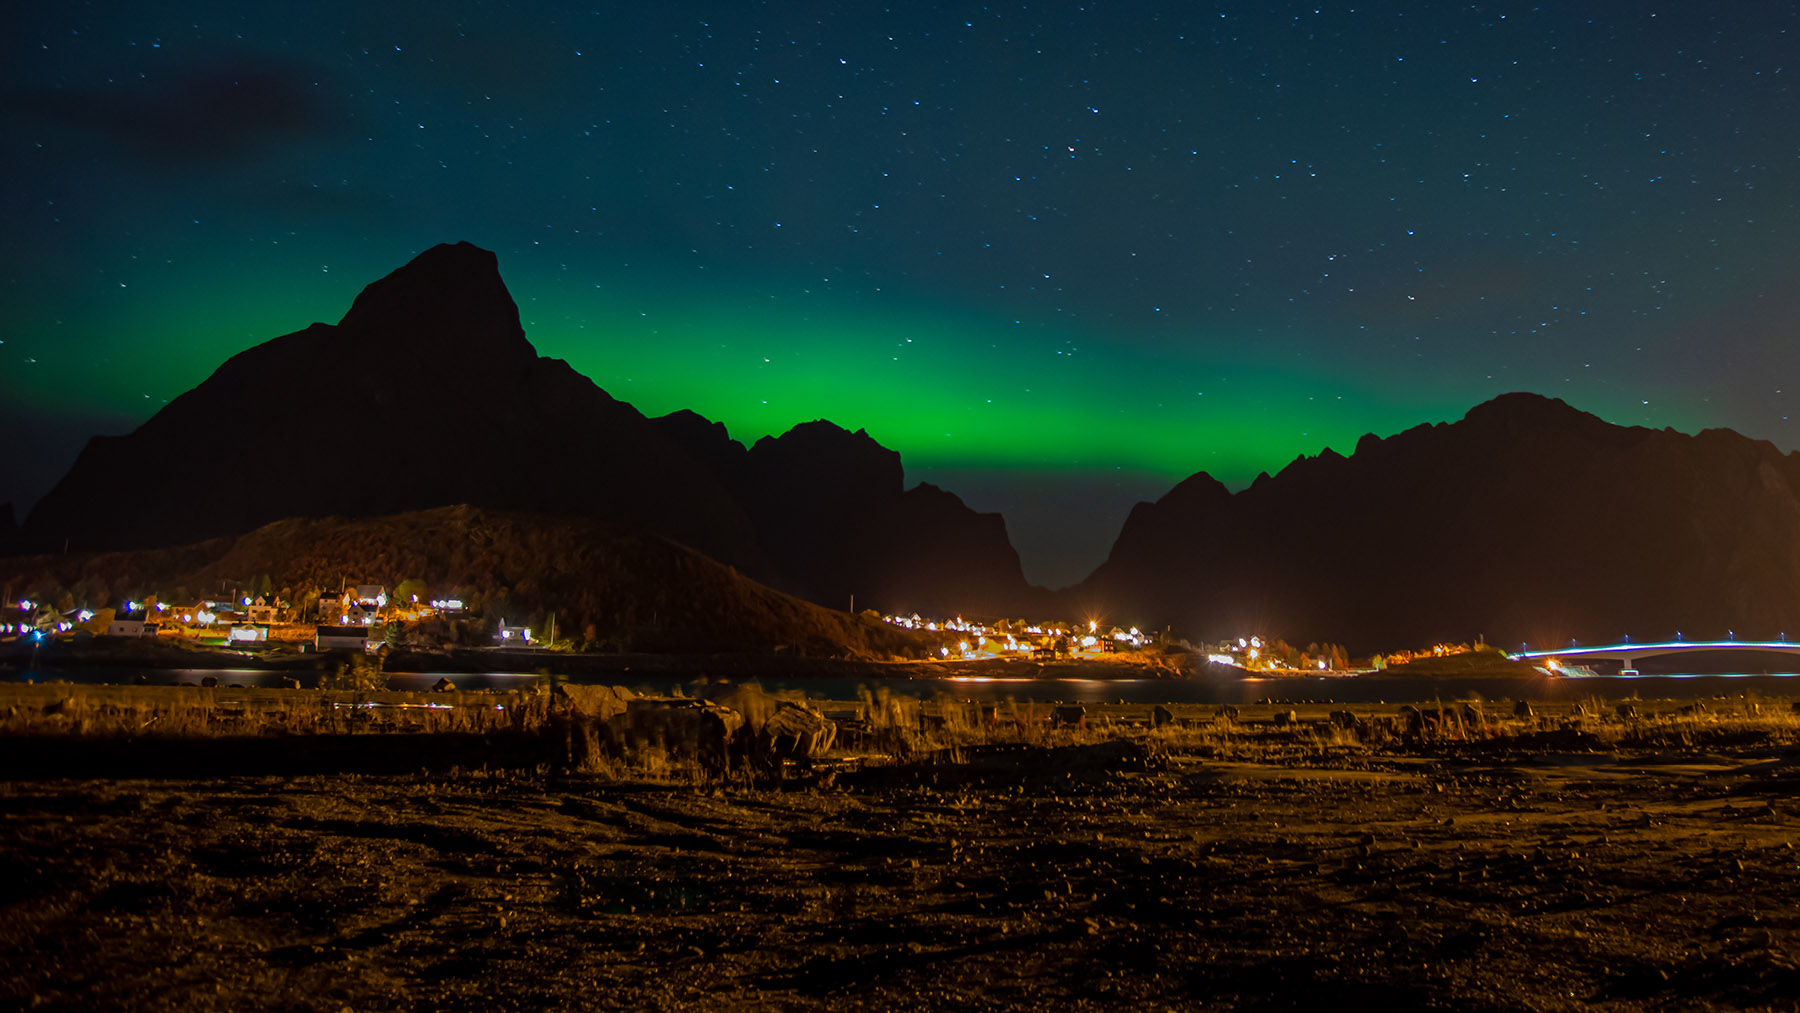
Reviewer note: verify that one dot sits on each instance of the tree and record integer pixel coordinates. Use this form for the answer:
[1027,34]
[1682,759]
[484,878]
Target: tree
[91,592]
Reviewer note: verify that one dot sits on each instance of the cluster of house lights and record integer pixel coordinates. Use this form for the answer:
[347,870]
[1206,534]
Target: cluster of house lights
[984,639]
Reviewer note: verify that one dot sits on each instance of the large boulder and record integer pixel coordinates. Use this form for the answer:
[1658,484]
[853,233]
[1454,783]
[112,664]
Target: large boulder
[794,732]
[594,703]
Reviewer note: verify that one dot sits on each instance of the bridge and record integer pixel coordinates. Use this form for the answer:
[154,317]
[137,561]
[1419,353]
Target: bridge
[1628,653]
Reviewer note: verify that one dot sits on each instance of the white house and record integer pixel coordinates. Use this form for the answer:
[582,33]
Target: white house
[344,638]
[262,609]
[130,624]
[247,634]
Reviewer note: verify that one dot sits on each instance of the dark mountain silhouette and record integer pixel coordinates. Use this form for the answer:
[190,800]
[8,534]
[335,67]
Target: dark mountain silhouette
[928,547]
[1525,521]
[428,394]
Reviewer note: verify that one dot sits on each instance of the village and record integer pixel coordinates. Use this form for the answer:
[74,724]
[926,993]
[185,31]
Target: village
[1042,641]
[358,618]
[365,617]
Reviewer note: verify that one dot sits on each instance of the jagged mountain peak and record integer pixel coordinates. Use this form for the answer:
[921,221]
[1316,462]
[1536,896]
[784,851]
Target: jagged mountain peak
[448,301]
[820,453]
[1527,520]
[427,393]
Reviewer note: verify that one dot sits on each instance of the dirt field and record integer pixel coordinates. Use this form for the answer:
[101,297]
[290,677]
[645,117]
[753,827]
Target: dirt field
[1561,869]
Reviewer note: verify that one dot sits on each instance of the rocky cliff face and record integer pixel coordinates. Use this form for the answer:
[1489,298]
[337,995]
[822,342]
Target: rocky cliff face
[926,551]
[831,505]
[427,394]
[1525,521]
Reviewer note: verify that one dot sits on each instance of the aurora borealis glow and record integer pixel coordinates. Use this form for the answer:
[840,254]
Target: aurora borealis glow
[1058,258]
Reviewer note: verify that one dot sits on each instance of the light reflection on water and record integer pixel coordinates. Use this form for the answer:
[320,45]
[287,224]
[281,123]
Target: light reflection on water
[1201,690]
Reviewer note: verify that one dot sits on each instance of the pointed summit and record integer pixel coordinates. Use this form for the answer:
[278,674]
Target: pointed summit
[427,394]
[333,420]
[449,300]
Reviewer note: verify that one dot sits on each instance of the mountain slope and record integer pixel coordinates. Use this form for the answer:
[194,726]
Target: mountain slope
[425,394]
[428,394]
[1525,521]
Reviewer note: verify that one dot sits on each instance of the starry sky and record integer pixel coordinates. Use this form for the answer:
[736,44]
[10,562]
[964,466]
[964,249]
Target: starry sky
[1059,256]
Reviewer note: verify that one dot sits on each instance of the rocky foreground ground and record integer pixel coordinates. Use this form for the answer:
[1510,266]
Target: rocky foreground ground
[1551,871]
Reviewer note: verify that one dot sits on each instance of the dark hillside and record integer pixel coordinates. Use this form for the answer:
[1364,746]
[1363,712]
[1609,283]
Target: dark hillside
[1525,521]
[637,591]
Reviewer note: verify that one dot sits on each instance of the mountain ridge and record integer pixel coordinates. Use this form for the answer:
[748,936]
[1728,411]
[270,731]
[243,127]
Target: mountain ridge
[1525,521]
[428,393]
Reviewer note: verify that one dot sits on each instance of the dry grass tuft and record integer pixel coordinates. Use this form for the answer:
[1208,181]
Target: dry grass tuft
[884,726]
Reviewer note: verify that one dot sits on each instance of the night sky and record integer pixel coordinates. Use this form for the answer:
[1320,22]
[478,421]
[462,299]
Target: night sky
[1058,257]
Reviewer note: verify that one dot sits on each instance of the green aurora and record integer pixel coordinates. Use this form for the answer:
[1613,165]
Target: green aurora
[1057,259]
[947,389]
[969,399]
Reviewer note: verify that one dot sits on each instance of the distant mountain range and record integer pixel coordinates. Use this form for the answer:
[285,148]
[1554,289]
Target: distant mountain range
[1525,521]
